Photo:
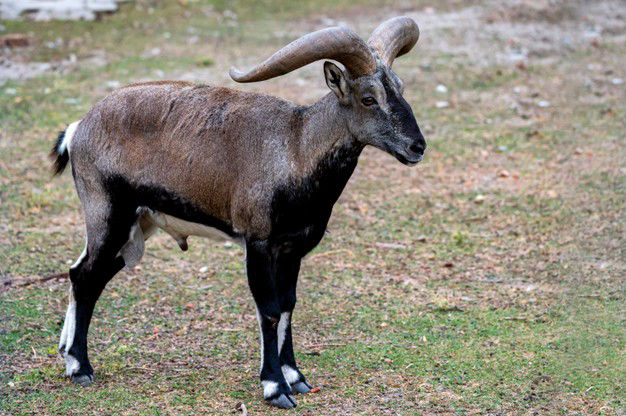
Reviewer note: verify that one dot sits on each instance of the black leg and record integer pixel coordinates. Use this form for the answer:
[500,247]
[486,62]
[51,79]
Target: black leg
[89,275]
[88,280]
[287,269]
[260,266]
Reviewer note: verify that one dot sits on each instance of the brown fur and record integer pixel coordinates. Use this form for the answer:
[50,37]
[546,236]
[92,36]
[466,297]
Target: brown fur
[223,149]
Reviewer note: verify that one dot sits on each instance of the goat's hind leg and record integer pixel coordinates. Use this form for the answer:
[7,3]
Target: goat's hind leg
[100,261]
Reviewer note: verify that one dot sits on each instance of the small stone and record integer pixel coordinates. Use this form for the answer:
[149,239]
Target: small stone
[71,101]
[203,269]
[442,89]
[442,104]
[504,173]
[421,238]
[10,91]
[479,199]
[113,84]
[14,40]
[617,81]
[543,104]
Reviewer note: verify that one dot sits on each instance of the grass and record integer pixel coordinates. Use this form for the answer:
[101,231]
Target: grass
[488,280]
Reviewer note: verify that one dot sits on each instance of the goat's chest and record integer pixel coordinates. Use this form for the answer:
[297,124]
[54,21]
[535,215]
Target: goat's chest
[300,212]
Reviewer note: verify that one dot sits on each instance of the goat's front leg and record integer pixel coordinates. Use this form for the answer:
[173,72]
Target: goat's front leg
[287,269]
[260,266]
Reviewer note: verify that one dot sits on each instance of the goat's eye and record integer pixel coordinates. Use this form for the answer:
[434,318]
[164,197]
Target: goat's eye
[367,101]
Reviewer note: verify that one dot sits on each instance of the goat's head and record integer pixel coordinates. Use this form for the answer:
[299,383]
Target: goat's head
[368,90]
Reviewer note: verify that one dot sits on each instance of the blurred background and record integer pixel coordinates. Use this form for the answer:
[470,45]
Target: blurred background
[487,280]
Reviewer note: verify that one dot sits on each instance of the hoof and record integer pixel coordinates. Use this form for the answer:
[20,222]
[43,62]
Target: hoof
[301,387]
[84,380]
[284,402]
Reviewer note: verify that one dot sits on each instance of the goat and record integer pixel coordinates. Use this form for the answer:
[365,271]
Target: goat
[221,163]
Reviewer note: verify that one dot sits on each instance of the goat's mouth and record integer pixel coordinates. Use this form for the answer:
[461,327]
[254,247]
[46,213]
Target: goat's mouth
[407,156]
[409,160]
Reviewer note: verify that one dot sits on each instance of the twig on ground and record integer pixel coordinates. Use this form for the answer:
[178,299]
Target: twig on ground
[330,252]
[41,279]
[517,318]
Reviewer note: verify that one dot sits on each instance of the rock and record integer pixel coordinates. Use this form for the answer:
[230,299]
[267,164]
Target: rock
[14,40]
[44,10]
[203,269]
[504,173]
[442,89]
[617,81]
[479,199]
[113,84]
[442,104]
[544,104]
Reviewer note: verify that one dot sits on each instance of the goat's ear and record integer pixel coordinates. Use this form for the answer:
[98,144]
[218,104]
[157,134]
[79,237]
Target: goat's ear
[336,81]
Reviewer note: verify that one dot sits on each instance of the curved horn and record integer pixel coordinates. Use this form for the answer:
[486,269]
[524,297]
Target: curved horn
[394,38]
[337,43]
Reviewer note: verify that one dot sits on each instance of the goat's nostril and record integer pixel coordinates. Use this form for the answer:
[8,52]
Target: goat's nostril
[416,149]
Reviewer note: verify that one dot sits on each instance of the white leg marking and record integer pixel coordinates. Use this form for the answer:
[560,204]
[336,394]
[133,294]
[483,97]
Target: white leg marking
[269,388]
[67,337]
[71,365]
[258,318]
[282,329]
[290,374]
[69,134]
[69,326]
[80,258]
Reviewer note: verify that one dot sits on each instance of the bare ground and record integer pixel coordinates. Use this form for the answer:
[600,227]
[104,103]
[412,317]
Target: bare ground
[488,280]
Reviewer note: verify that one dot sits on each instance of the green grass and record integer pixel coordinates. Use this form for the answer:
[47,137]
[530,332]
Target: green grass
[422,299]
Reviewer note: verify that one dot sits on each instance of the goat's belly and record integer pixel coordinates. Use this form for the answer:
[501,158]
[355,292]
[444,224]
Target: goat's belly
[181,229]
[149,221]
